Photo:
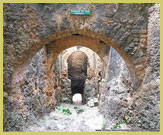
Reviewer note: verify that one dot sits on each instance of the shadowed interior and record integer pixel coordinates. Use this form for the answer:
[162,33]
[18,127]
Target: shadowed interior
[77,71]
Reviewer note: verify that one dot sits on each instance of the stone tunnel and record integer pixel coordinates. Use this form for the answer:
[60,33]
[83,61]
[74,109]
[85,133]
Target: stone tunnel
[78,67]
[112,55]
[77,71]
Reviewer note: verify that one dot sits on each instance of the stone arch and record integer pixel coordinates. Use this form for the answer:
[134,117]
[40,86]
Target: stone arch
[66,55]
[41,25]
[58,42]
[128,35]
[55,48]
[95,65]
[77,71]
[62,40]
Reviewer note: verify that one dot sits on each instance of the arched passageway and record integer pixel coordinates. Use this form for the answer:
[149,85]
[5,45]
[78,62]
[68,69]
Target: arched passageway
[77,74]
[41,32]
[95,44]
[53,48]
[77,71]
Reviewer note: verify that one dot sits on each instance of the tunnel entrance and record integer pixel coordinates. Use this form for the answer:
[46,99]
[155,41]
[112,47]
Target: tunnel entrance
[77,72]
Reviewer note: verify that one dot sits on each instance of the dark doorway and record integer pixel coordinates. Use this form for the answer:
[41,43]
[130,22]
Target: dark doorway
[77,71]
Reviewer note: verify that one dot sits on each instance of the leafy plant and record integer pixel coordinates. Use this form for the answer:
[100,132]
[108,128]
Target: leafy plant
[118,124]
[78,110]
[65,111]
[75,107]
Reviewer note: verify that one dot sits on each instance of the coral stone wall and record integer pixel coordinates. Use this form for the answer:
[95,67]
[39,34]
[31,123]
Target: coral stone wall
[77,65]
[28,100]
[123,26]
[142,107]
[117,91]
[63,84]
[35,34]
[145,106]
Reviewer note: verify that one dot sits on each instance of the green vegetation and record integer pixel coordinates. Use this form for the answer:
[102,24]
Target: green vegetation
[118,124]
[65,111]
[78,110]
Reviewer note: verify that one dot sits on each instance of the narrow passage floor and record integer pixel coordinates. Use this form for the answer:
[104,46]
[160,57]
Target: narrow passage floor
[88,120]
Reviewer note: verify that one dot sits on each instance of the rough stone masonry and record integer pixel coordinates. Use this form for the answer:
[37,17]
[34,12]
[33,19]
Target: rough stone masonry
[34,36]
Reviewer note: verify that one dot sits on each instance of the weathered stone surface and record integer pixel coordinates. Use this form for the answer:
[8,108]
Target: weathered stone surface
[115,95]
[153,59]
[77,66]
[66,90]
[90,103]
[144,109]
[95,100]
[90,89]
[34,87]
[27,99]
[40,24]
[62,84]
[141,106]
[77,71]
